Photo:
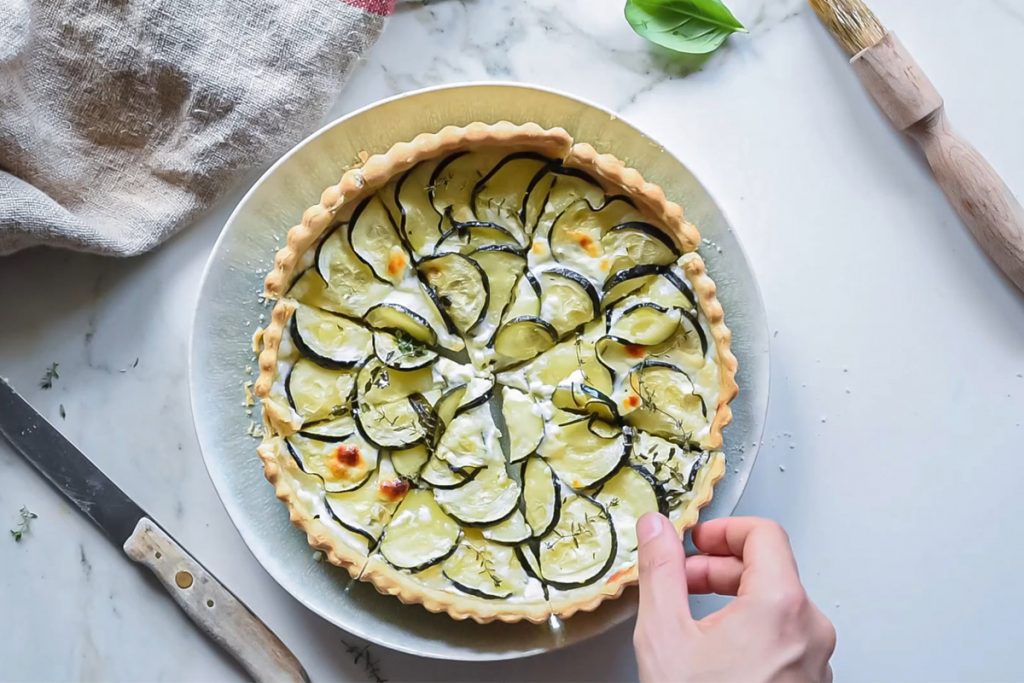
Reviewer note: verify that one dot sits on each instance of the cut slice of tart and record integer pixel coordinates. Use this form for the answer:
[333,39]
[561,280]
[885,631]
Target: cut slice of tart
[491,351]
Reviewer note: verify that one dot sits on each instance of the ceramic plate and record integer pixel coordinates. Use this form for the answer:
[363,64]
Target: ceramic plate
[228,311]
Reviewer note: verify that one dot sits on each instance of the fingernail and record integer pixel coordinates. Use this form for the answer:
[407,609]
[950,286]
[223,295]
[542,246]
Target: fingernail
[648,527]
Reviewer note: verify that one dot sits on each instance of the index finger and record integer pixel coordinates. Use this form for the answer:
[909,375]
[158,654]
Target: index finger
[761,544]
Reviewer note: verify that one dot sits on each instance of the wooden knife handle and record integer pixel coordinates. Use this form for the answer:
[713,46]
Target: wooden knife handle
[212,607]
[981,198]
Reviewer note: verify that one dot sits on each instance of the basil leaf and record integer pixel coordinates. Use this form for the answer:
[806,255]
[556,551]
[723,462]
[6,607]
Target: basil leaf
[694,27]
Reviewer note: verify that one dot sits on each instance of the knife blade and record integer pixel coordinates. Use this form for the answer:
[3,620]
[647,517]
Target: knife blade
[210,605]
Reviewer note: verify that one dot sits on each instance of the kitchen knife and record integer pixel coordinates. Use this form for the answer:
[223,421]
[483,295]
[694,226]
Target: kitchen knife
[210,605]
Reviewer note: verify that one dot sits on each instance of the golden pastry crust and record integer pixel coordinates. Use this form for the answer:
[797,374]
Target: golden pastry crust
[335,205]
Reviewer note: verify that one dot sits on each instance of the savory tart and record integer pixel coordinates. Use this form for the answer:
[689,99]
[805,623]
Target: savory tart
[491,351]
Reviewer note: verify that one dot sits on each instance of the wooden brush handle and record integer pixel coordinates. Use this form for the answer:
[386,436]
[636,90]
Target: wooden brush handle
[212,607]
[977,193]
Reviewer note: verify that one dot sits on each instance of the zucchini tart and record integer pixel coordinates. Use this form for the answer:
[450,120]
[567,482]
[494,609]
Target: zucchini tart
[491,351]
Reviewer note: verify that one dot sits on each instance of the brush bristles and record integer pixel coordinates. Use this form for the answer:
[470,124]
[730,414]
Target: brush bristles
[851,22]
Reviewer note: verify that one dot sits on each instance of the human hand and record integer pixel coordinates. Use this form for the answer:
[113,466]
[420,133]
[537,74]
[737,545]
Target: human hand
[770,632]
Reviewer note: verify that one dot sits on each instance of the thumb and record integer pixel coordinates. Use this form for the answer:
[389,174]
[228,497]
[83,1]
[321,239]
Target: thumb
[663,593]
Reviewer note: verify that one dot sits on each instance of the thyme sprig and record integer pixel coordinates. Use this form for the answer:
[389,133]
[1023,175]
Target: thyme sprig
[25,517]
[51,374]
[362,655]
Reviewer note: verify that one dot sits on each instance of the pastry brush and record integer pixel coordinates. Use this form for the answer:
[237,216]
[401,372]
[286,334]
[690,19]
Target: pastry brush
[913,105]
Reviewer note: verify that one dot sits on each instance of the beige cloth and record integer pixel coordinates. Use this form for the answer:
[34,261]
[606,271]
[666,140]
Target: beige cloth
[121,120]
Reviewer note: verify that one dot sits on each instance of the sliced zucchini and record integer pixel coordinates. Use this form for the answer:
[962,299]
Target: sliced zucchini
[619,355]
[501,195]
[455,178]
[375,241]
[362,510]
[527,557]
[409,462]
[342,466]
[632,243]
[583,399]
[625,282]
[511,531]
[503,265]
[568,299]
[317,393]
[673,466]
[461,286]
[524,423]
[571,360]
[311,290]
[465,238]
[419,534]
[328,339]
[469,440]
[353,288]
[581,547]
[668,406]
[542,496]
[580,457]
[668,289]
[399,351]
[568,187]
[479,391]
[420,222]
[627,496]
[525,299]
[394,318]
[687,346]
[646,324]
[395,425]
[489,498]
[577,235]
[376,383]
[524,337]
[337,429]
[440,475]
[485,569]
[448,404]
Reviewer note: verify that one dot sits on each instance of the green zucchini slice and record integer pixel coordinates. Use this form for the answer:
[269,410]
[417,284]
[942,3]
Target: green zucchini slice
[394,318]
[577,235]
[503,265]
[469,440]
[633,243]
[375,241]
[409,462]
[627,496]
[525,298]
[524,337]
[511,531]
[669,405]
[528,561]
[501,195]
[366,510]
[461,286]
[376,383]
[399,351]
[420,534]
[568,299]
[488,499]
[317,393]
[568,187]
[311,290]
[485,569]
[625,282]
[674,466]
[583,399]
[338,429]
[330,340]
[542,496]
[352,284]
[581,547]
[342,465]
[396,425]
[465,238]
[455,178]
[581,458]
[440,475]
[570,360]
[419,222]
[448,404]
[524,422]
[619,355]
[646,324]
[687,346]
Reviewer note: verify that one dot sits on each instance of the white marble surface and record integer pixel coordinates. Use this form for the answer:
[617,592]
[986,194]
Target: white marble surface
[893,446]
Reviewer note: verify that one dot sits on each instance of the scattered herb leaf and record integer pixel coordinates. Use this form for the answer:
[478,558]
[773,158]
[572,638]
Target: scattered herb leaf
[51,374]
[362,655]
[63,413]
[694,27]
[25,517]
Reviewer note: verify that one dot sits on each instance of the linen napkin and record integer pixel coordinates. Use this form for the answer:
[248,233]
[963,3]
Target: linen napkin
[121,120]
